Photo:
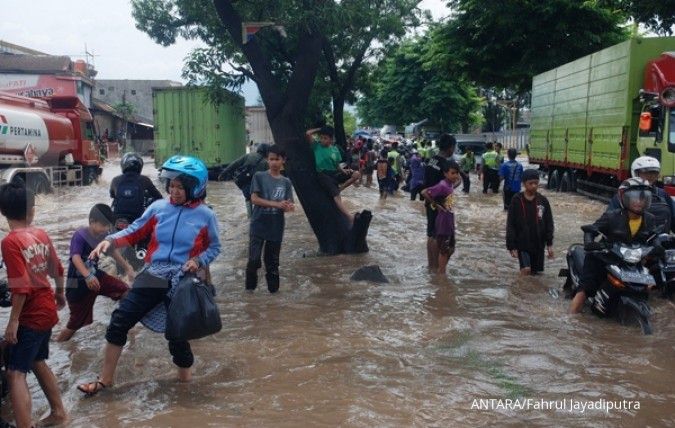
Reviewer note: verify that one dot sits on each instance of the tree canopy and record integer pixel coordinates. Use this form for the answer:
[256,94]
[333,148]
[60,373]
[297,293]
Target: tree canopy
[504,43]
[419,80]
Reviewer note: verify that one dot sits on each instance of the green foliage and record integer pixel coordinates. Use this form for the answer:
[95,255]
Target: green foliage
[657,15]
[125,109]
[504,43]
[350,123]
[420,79]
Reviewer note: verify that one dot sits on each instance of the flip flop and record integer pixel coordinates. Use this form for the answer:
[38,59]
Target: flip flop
[89,391]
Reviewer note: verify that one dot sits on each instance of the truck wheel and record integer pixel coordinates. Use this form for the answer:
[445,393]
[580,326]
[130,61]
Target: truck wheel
[89,175]
[38,183]
[553,180]
[566,182]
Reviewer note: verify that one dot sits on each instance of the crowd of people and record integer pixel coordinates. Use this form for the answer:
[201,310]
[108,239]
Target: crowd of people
[179,235]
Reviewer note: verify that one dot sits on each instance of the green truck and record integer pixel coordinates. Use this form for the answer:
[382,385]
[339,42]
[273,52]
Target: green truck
[186,123]
[591,117]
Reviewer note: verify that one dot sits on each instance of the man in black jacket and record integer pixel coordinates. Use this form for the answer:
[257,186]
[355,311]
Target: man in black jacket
[241,171]
[529,226]
[632,223]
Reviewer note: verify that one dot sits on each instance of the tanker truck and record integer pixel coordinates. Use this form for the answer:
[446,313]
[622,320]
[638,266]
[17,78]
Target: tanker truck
[593,116]
[46,142]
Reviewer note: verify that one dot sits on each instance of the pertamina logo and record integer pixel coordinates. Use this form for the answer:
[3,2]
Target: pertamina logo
[4,127]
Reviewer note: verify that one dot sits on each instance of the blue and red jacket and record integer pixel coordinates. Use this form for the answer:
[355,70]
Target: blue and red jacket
[177,233]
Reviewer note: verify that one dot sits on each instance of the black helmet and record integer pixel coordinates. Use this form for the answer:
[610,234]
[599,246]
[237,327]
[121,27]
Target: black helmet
[262,149]
[131,162]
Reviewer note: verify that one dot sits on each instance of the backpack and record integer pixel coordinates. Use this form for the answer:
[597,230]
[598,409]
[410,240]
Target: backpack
[243,176]
[129,199]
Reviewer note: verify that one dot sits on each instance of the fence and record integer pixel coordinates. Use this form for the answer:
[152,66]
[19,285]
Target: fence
[517,139]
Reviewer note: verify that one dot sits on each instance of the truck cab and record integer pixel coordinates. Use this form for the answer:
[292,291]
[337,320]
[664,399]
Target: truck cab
[656,130]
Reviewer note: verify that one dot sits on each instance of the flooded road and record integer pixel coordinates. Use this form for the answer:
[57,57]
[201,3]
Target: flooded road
[415,352]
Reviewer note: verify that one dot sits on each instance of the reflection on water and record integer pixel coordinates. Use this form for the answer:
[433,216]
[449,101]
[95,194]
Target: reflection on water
[417,351]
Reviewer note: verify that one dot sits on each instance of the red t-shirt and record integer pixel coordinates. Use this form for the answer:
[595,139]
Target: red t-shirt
[30,257]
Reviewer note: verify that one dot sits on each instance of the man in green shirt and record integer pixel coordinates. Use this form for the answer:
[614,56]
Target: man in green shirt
[332,175]
[490,169]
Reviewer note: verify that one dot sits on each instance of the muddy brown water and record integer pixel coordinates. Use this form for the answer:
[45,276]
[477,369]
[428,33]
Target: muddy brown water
[415,352]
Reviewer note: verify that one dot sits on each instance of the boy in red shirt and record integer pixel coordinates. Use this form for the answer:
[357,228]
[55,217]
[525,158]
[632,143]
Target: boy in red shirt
[30,258]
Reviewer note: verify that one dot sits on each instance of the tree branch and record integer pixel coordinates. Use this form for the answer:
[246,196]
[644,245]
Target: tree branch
[268,84]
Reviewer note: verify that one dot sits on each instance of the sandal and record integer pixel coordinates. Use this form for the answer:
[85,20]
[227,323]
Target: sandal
[90,391]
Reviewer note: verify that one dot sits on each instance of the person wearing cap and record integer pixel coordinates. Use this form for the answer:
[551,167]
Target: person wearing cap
[529,226]
[243,169]
[662,206]
[333,177]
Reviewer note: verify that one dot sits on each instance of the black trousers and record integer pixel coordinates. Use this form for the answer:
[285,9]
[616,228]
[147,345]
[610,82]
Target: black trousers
[508,195]
[466,182]
[490,180]
[140,300]
[271,251]
[593,274]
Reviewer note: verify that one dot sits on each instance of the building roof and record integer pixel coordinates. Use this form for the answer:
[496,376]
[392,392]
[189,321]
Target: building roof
[13,63]
[7,47]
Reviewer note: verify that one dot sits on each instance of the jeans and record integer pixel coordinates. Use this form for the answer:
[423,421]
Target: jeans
[271,256]
[138,302]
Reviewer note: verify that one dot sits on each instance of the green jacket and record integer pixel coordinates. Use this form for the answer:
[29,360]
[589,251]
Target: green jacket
[467,163]
[490,159]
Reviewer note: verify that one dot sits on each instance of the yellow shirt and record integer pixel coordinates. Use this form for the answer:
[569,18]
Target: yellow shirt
[634,225]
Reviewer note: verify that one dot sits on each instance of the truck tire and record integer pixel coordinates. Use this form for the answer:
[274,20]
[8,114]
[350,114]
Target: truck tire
[38,183]
[553,180]
[566,182]
[89,175]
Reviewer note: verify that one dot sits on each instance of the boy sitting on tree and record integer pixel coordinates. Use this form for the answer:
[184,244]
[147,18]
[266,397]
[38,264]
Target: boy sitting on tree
[333,177]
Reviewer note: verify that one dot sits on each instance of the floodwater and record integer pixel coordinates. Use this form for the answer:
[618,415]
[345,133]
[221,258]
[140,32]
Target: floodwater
[419,351]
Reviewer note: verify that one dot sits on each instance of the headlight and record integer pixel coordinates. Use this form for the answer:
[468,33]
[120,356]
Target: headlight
[631,255]
[670,256]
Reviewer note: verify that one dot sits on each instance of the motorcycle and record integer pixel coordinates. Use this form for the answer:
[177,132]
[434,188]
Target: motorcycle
[134,255]
[624,292]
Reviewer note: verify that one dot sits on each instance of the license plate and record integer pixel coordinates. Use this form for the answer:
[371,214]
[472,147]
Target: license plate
[637,277]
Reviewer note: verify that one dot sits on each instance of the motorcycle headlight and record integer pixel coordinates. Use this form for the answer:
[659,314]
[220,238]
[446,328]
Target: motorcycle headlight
[670,256]
[631,255]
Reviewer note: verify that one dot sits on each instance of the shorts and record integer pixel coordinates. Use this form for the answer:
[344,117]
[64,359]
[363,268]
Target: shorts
[82,309]
[446,244]
[32,346]
[369,169]
[532,260]
[330,181]
[431,220]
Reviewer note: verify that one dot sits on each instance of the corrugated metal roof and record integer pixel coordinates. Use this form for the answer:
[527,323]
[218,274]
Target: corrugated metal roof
[34,64]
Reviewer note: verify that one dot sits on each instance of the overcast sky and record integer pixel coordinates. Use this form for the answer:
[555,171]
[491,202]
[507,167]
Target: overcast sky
[107,29]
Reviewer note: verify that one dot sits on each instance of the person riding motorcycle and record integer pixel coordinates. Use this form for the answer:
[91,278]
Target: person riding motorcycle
[632,223]
[241,171]
[132,192]
[662,205]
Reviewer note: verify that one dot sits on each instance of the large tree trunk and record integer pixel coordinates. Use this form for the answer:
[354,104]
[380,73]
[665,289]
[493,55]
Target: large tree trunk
[339,121]
[285,111]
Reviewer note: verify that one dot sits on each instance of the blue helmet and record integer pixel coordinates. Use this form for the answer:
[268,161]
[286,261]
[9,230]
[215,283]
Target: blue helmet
[179,165]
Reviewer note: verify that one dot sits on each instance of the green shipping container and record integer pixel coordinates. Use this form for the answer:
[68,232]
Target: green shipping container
[584,110]
[187,123]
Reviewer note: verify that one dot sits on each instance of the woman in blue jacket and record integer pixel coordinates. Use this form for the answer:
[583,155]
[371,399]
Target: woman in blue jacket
[183,234]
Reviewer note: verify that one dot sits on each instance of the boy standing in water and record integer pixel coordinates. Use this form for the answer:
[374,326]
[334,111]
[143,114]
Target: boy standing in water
[440,196]
[30,258]
[529,226]
[85,281]
[271,196]
[384,174]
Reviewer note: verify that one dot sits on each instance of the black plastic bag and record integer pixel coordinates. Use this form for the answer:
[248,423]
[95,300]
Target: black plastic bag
[192,312]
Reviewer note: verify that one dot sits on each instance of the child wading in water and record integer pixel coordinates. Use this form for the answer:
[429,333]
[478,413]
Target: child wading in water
[529,226]
[85,281]
[271,196]
[31,259]
[440,196]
